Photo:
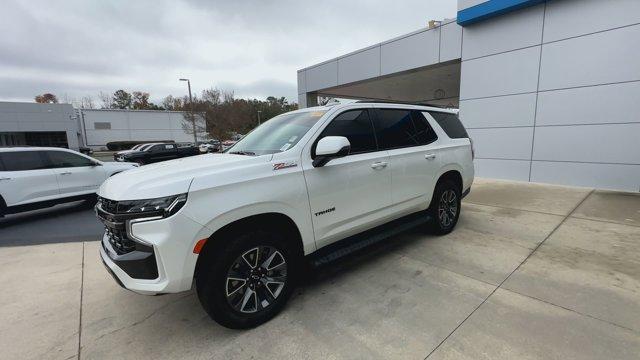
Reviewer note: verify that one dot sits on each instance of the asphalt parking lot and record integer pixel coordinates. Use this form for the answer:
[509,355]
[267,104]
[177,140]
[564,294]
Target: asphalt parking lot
[532,271]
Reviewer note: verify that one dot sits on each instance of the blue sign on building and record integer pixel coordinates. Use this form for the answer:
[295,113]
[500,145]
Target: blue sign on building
[491,8]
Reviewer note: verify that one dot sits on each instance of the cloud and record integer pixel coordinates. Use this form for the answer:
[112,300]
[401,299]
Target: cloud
[81,47]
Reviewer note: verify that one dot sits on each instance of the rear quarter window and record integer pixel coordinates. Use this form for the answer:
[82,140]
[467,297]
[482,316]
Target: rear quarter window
[451,124]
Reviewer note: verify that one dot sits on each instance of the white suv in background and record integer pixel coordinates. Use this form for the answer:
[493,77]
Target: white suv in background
[312,184]
[38,177]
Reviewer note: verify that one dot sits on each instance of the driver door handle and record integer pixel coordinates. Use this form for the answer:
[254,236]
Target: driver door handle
[379,165]
[430,156]
[5,178]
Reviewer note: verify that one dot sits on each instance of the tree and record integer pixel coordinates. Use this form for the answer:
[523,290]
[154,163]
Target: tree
[46,98]
[141,100]
[121,100]
[87,102]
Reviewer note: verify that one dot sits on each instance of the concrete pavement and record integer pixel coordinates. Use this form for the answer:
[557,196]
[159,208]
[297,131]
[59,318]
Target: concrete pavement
[532,271]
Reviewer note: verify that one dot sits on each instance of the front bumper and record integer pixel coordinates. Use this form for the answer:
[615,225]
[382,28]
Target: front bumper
[158,257]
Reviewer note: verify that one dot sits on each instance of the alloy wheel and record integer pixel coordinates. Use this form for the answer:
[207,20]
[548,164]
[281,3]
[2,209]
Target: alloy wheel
[447,208]
[256,279]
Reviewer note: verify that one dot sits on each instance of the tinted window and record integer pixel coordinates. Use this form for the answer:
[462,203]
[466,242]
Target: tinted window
[424,132]
[157,147]
[450,124]
[22,160]
[61,159]
[401,128]
[356,126]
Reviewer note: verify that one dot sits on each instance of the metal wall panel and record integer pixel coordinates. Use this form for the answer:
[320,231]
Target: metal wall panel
[503,74]
[502,169]
[416,50]
[601,58]
[502,143]
[359,66]
[569,18]
[302,87]
[489,37]
[602,176]
[611,143]
[616,103]
[450,42]
[501,111]
[322,76]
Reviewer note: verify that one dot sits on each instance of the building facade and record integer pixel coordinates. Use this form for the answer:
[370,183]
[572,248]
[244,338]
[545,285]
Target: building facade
[61,125]
[39,125]
[548,90]
[101,126]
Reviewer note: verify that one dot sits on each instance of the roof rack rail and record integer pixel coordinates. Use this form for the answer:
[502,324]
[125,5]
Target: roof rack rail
[402,103]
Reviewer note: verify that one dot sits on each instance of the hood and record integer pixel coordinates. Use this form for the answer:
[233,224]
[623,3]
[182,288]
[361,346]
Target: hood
[171,177]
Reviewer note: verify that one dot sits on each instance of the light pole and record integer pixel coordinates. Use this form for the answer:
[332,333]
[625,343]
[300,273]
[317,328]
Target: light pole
[259,117]
[193,118]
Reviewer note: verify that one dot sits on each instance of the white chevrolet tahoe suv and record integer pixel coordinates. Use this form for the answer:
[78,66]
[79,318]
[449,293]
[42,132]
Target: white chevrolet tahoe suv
[304,187]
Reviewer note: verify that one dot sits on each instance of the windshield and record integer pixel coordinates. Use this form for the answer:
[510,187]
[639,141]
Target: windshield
[276,135]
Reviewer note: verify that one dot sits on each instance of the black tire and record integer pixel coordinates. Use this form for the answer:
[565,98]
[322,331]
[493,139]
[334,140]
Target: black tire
[445,207]
[222,297]
[3,207]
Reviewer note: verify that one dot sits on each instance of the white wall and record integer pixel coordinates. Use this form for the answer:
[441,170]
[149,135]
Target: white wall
[134,125]
[550,93]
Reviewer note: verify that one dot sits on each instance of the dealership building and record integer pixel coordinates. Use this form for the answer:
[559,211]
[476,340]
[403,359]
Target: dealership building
[548,90]
[61,125]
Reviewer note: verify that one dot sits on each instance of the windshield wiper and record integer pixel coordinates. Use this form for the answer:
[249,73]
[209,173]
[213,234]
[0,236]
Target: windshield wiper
[243,153]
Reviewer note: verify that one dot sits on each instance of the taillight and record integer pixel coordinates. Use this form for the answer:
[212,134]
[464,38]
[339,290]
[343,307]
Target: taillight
[473,152]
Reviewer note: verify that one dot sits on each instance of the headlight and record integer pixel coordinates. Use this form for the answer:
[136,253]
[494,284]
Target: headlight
[164,206]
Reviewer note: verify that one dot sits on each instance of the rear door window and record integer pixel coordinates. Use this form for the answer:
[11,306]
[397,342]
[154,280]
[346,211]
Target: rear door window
[62,159]
[424,132]
[399,128]
[22,160]
[356,126]
[451,124]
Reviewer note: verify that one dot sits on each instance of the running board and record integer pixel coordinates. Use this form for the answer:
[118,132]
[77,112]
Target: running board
[360,241]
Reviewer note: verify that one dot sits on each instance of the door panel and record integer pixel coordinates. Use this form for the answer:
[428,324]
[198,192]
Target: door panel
[348,195]
[76,174]
[25,178]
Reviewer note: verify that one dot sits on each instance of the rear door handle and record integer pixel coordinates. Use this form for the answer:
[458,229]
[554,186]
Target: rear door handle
[430,156]
[66,173]
[5,178]
[379,165]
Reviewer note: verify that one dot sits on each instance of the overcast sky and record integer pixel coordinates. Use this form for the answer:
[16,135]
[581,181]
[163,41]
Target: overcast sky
[74,48]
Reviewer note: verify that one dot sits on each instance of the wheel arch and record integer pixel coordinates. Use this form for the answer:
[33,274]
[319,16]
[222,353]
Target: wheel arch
[270,221]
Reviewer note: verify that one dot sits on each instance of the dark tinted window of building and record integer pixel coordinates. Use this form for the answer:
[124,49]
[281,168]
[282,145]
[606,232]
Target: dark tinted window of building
[450,124]
[424,132]
[395,129]
[22,160]
[356,126]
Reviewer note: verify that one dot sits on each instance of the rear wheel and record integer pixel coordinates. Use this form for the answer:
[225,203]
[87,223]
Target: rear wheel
[445,207]
[247,281]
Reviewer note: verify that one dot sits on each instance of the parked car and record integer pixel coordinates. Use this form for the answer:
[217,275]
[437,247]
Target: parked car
[85,150]
[158,152]
[305,187]
[210,146]
[39,177]
[227,144]
[139,147]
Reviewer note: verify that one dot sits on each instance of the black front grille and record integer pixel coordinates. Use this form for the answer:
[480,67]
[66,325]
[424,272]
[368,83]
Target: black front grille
[119,241]
[107,205]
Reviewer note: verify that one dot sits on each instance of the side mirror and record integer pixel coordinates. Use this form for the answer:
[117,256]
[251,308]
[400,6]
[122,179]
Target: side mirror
[95,163]
[331,147]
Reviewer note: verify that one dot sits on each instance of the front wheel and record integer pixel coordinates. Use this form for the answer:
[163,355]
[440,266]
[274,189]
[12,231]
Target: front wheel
[445,207]
[248,281]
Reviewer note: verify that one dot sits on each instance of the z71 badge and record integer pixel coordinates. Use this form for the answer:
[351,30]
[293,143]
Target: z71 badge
[280,166]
